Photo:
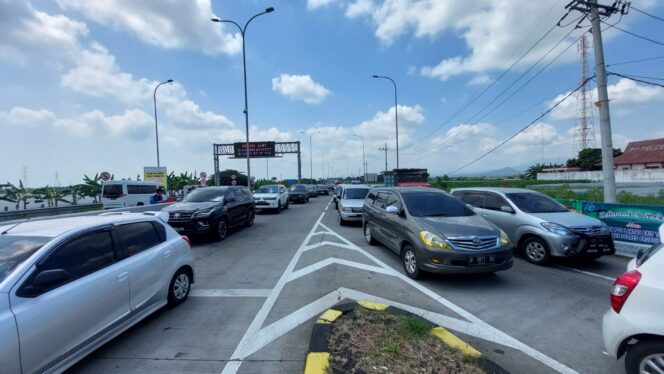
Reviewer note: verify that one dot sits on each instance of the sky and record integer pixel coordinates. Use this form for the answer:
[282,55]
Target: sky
[78,78]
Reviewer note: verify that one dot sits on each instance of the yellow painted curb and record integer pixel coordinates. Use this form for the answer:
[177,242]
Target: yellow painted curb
[452,341]
[317,363]
[329,316]
[372,306]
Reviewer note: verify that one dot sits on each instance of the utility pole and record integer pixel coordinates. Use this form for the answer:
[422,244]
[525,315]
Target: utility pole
[384,149]
[594,10]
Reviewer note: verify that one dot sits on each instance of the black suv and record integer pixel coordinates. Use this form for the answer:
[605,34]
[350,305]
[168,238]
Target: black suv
[213,210]
[298,193]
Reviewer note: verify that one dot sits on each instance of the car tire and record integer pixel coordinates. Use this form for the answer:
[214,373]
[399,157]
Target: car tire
[250,218]
[410,264]
[139,204]
[278,208]
[341,221]
[178,289]
[221,229]
[641,353]
[536,251]
[287,204]
[368,236]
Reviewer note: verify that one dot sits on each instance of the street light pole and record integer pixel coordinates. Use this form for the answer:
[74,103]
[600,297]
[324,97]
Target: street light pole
[396,114]
[156,127]
[244,65]
[311,156]
[364,160]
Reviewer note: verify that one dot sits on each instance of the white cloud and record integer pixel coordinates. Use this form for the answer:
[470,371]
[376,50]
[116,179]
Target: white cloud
[315,4]
[382,125]
[479,80]
[625,91]
[20,116]
[167,24]
[360,8]
[300,87]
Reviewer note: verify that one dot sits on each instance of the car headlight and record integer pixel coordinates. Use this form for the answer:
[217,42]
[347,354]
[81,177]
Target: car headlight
[203,213]
[433,240]
[605,228]
[346,209]
[504,239]
[556,228]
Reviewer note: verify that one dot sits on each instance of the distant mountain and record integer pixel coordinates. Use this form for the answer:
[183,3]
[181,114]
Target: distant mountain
[504,172]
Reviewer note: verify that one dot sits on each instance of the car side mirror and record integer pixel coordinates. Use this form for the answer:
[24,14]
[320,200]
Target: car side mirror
[506,209]
[50,278]
[392,210]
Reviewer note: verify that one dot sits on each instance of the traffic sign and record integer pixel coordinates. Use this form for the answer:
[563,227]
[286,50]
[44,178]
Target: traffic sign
[234,182]
[105,176]
[203,175]
[233,176]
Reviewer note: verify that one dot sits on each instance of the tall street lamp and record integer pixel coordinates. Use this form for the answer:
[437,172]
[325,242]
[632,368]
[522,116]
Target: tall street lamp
[311,156]
[364,160]
[156,128]
[396,116]
[243,31]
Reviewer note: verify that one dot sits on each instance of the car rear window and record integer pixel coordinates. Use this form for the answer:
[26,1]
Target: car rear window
[649,253]
[435,204]
[16,249]
[111,190]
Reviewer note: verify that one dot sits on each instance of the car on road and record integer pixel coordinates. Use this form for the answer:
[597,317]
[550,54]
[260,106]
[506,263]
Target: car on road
[434,231]
[336,195]
[272,196]
[634,325]
[70,285]
[212,210]
[298,194]
[313,190]
[539,226]
[350,203]
[120,194]
[322,190]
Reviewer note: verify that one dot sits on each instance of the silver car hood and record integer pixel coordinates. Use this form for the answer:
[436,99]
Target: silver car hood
[567,219]
[351,203]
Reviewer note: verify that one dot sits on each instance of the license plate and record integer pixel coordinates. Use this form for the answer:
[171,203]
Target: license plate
[481,260]
[179,229]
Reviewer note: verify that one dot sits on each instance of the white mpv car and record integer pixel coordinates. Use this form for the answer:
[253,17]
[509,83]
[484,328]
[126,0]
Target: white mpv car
[634,326]
[69,285]
[272,196]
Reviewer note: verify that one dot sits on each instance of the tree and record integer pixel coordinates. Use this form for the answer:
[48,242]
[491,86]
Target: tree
[225,178]
[16,195]
[590,158]
[92,187]
[76,191]
[52,195]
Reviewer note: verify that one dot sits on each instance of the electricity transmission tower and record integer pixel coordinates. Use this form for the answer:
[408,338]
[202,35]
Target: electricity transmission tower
[384,149]
[584,133]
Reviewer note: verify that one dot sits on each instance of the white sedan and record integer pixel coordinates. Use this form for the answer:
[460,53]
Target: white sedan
[272,196]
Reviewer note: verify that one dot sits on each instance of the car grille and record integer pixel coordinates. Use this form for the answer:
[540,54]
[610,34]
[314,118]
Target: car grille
[356,210]
[588,230]
[179,216]
[477,242]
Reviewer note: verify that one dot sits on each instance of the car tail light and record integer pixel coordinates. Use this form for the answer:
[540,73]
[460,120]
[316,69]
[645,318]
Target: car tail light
[622,288]
[186,239]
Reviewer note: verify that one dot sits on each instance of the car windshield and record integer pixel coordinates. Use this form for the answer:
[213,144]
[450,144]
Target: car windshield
[435,204]
[269,189]
[298,187]
[205,195]
[16,249]
[355,193]
[536,203]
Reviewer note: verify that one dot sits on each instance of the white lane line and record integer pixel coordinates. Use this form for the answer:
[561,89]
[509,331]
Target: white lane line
[326,242]
[332,260]
[230,292]
[586,273]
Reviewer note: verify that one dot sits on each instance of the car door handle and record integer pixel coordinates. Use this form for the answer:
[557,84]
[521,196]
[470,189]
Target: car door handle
[167,253]
[122,276]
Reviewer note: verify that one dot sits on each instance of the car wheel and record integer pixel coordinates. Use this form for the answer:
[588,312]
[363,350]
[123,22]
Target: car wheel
[536,251]
[287,204]
[368,236]
[222,230]
[278,209]
[139,204]
[250,218]
[179,288]
[341,221]
[646,356]
[410,264]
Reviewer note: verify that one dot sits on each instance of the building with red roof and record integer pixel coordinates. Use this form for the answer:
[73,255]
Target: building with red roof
[644,154]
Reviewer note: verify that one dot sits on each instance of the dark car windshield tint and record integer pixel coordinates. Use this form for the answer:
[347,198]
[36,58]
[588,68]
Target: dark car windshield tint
[298,187]
[113,190]
[269,189]
[16,249]
[433,204]
[204,195]
[536,203]
[355,193]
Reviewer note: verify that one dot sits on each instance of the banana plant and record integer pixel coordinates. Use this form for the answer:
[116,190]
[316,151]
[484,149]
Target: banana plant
[16,195]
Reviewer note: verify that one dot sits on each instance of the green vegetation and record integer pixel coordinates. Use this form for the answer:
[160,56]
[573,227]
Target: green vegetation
[478,182]
[597,195]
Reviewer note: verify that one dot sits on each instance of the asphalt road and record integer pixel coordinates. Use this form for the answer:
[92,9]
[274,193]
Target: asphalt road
[258,293]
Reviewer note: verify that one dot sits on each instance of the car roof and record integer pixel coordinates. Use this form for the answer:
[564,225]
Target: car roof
[408,190]
[350,186]
[495,189]
[58,226]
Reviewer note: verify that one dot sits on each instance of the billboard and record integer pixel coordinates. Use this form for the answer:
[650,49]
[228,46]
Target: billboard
[155,174]
[257,149]
[629,223]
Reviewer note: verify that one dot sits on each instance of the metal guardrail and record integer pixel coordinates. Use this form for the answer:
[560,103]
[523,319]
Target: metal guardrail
[55,214]
[30,213]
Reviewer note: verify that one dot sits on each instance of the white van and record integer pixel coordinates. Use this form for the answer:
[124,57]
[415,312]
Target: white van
[120,194]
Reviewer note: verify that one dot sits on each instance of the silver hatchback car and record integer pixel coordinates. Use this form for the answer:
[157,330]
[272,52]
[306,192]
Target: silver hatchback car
[69,285]
[539,226]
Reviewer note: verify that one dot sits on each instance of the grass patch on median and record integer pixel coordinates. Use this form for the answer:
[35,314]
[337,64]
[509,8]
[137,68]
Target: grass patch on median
[367,341]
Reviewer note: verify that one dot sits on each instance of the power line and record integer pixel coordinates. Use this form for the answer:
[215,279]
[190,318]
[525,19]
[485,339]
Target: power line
[522,129]
[633,34]
[642,77]
[636,79]
[647,14]
[635,61]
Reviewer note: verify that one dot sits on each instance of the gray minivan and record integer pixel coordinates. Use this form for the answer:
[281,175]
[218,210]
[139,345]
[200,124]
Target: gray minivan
[538,225]
[434,232]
